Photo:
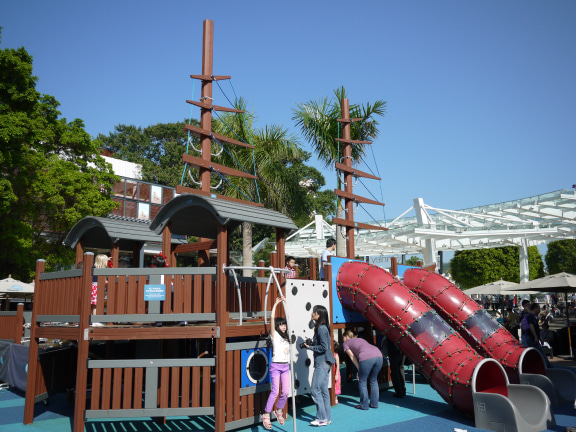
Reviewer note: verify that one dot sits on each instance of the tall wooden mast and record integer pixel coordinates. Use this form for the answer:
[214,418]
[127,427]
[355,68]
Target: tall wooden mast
[204,161]
[206,99]
[345,166]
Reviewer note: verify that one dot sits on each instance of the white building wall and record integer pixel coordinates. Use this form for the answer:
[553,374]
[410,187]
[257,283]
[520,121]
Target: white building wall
[125,169]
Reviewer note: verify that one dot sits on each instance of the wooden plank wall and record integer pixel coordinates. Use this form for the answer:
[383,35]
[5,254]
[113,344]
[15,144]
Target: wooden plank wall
[125,294]
[58,296]
[12,324]
[123,388]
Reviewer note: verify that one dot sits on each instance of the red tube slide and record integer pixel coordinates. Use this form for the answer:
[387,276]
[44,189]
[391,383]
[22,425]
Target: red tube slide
[441,354]
[477,327]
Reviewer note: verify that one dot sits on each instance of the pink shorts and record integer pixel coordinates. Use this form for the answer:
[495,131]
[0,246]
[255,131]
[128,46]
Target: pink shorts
[94,294]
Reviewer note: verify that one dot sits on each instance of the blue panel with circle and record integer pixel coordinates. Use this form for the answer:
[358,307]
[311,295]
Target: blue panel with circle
[255,366]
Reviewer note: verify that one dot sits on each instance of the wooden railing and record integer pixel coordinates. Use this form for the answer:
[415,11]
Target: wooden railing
[12,324]
[189,293]
[161,387]
[58,293]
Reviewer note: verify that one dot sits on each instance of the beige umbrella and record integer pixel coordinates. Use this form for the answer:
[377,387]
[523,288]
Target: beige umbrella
[13,286]
[498,287]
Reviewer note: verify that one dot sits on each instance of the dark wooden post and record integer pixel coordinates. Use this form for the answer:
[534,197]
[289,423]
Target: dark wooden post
[206,113]
[79,252]
[19,329]
[136,254]
[206,118]
[83,343]
[328,278]
[115,253]
[394,266]
[348,186]
[313,268]
[33,363]
[297,270]
[221,291]
[280,248]
[167,243]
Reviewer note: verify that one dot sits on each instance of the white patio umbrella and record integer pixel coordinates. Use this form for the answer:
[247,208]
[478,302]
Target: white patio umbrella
[497,287]
[13,286]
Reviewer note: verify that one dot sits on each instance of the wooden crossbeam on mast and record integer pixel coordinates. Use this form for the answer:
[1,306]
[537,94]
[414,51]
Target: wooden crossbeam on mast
[212,166]
[214,107]
[355,172]
[202,133]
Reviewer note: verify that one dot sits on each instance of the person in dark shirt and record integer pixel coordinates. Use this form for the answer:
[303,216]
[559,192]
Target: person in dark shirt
[533,333]
[397,359]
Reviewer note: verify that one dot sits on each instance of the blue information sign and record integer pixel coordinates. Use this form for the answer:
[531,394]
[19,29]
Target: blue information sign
[154,292]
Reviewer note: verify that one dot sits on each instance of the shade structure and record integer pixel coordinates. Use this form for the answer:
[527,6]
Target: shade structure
[14,286]
[497,287]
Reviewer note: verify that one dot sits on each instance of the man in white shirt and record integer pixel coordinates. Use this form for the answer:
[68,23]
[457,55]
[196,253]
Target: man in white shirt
[329,251]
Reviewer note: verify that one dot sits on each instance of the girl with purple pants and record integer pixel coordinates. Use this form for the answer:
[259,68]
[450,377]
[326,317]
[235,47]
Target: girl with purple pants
[279,369]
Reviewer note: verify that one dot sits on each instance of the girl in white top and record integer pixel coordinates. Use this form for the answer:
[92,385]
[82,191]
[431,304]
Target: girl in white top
[280,367]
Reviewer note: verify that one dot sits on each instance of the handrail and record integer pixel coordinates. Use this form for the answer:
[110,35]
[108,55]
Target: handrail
[272,270]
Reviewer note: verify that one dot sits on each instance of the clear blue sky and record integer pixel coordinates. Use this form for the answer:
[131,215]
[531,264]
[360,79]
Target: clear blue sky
[481,94]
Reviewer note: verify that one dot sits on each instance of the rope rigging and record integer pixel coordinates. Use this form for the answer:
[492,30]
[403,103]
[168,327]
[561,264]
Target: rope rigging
[189,143]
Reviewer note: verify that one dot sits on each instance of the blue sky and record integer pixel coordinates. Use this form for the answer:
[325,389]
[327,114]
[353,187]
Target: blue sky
[481,94]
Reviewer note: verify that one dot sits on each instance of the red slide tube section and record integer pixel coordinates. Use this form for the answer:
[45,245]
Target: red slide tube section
[440,353]
[477,327]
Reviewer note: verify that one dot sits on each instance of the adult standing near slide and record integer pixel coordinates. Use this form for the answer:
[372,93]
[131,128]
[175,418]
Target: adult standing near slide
[323,360]
[368,360]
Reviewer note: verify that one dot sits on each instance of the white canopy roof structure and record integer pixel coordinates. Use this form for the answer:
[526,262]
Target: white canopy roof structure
[524,222]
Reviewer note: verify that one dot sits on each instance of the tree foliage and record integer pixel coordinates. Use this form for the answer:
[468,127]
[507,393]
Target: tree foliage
[561,256]
[158,148]
[52,174]
[476,267]
[317,122]
[413,260]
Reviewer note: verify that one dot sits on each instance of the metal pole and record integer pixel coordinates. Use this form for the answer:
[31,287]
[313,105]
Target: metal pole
[290,345]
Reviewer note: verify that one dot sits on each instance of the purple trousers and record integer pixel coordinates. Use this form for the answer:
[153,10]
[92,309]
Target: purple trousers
[279,374]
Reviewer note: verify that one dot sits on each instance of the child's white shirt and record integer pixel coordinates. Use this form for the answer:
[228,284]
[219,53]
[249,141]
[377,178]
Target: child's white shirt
[281,349]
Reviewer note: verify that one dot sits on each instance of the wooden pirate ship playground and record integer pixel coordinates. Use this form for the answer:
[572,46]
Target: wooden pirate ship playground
[172,341]
[189,341]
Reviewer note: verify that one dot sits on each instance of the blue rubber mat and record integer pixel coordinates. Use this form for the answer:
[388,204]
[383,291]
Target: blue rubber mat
[422,411]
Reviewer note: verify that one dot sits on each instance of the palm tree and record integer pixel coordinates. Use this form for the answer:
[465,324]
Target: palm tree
[317,122]
[274,149]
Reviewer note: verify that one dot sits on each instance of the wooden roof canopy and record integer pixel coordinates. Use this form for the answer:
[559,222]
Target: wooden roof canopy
[199,216]
[101,232]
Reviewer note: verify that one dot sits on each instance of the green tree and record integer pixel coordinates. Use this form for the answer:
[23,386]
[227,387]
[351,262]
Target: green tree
[413,260]
[158,148]
[52,174]
[561,256]
[275,149]
[317,120]
[476,267]
[308,199]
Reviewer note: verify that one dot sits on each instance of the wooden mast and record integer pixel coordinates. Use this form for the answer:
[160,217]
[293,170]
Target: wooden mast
[345,166]
[206,99]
